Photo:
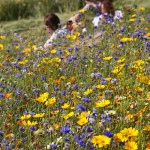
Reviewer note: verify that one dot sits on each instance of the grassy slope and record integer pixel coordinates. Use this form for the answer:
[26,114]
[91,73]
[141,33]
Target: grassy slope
[26,24]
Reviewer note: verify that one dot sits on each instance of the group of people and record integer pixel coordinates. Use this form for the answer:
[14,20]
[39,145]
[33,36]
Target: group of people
[107,14]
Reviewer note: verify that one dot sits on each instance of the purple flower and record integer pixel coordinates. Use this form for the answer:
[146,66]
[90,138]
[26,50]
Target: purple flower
[80,107]
[81,143]
[18,92]
[103,81]
[148,46]
[65,129]
[53,146]
[89,129]
[1,133]
[64,92]
[2,95]
[33,128]
[108,133]
[86,100]
[76,48]
[75,86]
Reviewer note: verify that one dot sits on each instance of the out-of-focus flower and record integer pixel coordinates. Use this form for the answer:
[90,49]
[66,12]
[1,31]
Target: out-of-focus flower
[108,58]
[131,145]
[39,115]
[102,103]
[25,117]
[82,121]
[1,46]
[65,106]
[50,101]
[68,115]
[42,98]
[88,91]
[101,141]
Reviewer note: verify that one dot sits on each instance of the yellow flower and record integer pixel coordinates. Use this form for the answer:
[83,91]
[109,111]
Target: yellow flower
[147,128]
[84,114]
[25,117]
[142,19]
[29,123]
[119,137]
[2,37]
[56,60]
[73,37]
[88,91]
[17,47]
[148,34]
[126,40]
[56,126]
[113,45]
[100,86]
[107,58]
[82,11]
[101,140]
[121,60]
[77,34]
[148,96]
[139,63]
[50,101]
[139,89]
[53,51]
[65,106]
[134,15]
[129,133]
[39,115]
[131,145]
[82,121]
[68,36]
[102,103]
[141,8]
[143,79]
[23,62]
[132,20]
[43,97]
[1,46]
[55,112]
[26,50]
[68,115]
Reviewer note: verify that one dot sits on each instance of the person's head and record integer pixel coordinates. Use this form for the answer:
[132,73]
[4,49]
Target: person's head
[52,22]
[106,6]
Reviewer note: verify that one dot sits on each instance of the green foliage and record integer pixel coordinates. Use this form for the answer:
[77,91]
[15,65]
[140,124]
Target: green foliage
[16,9]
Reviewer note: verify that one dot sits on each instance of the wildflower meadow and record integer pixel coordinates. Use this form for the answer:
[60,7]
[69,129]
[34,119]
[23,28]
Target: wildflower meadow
[83,92]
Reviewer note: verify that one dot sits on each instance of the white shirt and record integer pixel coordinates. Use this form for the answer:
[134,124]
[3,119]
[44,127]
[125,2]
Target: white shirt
[118,15]
[61,32]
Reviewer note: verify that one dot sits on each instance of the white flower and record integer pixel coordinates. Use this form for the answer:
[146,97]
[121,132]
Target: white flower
[84,30]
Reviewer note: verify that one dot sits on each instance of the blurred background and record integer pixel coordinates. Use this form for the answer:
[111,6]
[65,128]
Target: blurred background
[30,12]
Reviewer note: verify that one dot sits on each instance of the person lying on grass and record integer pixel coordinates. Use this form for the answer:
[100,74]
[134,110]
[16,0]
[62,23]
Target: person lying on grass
[107,13]
[53,26]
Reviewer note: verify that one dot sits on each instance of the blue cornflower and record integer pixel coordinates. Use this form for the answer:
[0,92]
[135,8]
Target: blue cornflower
[108,133]
[53,146]
[64,92]
[86,100]
[1,133]
[65,129]
[2,95]
[75,86]
[18,92]
[33,128]
[80,107]
[89,129]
